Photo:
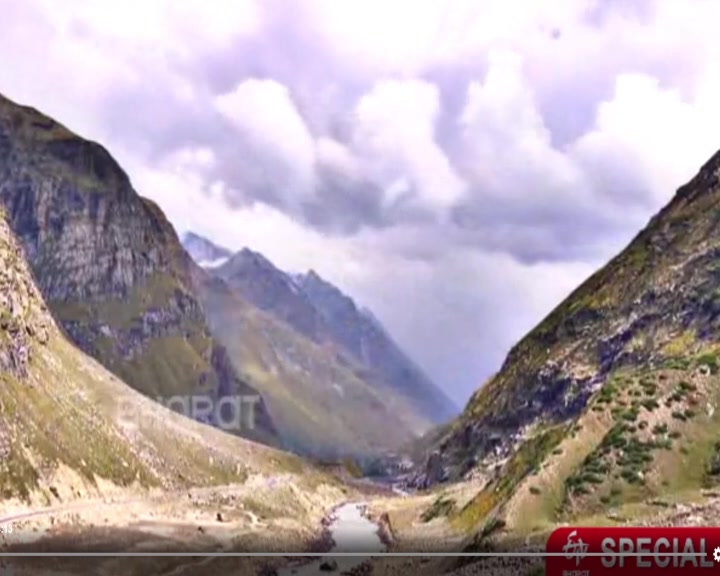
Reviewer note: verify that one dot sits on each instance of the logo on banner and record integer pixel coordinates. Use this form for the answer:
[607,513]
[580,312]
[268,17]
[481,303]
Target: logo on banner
[575,548]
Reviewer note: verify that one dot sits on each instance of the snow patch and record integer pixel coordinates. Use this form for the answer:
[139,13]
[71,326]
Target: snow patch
[213,263]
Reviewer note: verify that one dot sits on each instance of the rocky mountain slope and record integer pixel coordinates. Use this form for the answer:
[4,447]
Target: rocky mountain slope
[321,312]
[271,290]
[361,335]
[109,264]
[69,429]
[611,401]
[321,406]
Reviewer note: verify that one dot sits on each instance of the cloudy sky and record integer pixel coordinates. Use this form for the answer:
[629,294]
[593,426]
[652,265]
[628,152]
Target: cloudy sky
[456,165]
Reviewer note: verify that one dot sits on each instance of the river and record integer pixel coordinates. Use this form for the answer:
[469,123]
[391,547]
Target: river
[351,532]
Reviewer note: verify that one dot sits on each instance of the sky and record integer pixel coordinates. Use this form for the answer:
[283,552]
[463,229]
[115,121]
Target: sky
[457,166]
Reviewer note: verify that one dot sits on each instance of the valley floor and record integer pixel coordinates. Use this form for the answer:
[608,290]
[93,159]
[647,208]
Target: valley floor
[251,517]
[248,517]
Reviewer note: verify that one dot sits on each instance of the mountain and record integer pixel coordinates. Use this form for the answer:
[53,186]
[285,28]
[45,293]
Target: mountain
[203,251]
[362,335]
[320,404]
[273,291]
[109,265]
[611,401]
[324,401]
[70,430]
[321,312]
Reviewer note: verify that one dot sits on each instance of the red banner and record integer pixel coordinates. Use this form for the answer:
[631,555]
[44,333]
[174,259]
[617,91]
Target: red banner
[627,550]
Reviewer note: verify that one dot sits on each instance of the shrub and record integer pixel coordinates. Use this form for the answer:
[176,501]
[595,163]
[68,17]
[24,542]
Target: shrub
[630,415]
[660,428]
[709,360]
[714,464]
[650,404]
[441,507]
[491,526]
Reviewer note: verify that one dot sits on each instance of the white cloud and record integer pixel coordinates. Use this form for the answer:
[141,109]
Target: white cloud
[136,26]
[395,130]
[332,153]
[650,134]
[480,303]
[264,113]
[411,36]
[508,146]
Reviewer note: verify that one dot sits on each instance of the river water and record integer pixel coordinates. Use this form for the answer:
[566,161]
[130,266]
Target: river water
[351,532]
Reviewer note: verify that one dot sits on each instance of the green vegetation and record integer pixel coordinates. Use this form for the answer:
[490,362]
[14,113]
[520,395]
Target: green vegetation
[710,360]
[493,525]
[441,507]
[528,458]
[620,448]
[353,468]
[55,430]
[713,468]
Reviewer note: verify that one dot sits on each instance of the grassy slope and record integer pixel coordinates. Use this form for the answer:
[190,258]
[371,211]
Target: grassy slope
[317,404]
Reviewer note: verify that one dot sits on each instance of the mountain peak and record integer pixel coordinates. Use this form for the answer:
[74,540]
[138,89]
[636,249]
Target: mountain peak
[704,182]
[312,281]
[246,260]
[203,251]
[314,276]
[251,254]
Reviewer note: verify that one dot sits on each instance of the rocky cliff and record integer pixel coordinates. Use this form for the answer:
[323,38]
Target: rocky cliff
[108,263]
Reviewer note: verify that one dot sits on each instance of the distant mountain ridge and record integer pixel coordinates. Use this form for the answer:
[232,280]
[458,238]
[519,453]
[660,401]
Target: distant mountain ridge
[323,313]
[322,405]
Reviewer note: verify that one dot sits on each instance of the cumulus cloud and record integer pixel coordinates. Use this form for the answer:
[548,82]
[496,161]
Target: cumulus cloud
[643,116]
[456,165]
[394,131]
[278,155]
